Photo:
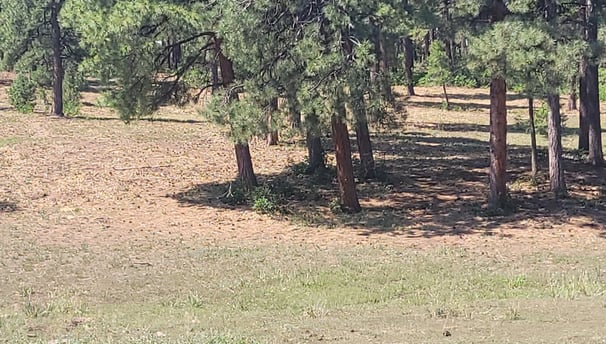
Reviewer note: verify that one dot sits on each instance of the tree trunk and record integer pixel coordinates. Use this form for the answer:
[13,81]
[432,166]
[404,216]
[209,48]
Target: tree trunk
[272,135]
[572,97]
[554,126]
[446,97]
[583,120]
[315,152]
[383,67]
[345,175]
[58,72]
[498,143]
[534,167]
[596,156]
[426,45]
[358,107]
[246,172]
[409,60]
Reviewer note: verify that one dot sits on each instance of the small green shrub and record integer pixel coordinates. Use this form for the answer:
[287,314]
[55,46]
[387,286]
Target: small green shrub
[22,94]
[266,201]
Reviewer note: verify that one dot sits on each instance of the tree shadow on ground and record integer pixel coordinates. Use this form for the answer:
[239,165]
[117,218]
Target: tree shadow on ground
[427,187]
[8,207]
[472,96]
[456,105]
[142,119]
[484,128]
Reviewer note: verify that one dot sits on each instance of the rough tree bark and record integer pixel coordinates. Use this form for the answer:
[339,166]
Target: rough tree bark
[383,67]
[572,97]
[596,156]
[498,143]
[315,152]
[409,60]
[554,126]
[58,71]
[534,167]
[345,175]
[246,173]
[367,160]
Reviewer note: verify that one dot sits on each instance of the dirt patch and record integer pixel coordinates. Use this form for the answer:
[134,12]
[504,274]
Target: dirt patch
[97,181]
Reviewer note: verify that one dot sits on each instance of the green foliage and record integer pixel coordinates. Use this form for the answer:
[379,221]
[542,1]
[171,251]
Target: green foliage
[439,71]
[72,84]
[22,94]
[270,198]
[243,117]
[265,200]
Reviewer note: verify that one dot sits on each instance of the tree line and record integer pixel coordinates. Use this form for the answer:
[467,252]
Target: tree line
[322,66]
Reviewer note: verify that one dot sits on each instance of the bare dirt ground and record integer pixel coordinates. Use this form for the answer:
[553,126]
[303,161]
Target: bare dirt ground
[100,182]
[144,193]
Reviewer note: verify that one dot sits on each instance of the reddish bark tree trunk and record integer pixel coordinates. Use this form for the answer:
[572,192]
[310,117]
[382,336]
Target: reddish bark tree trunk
[498,143]
[246,173]
[534,167]
[58,72]
[345,175]
[554,126]
[409,60]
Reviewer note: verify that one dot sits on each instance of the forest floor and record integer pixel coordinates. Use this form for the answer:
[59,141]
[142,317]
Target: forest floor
[114,232]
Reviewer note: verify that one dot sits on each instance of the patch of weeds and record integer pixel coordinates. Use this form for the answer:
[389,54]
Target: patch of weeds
[267,200]
[37,310]
[317,310]
[335,206]
[194,300]
[571,286]
[513,313]
[26,292]
[517,282]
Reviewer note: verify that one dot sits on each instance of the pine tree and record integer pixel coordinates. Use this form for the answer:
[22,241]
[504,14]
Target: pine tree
[36,42]
[439,69]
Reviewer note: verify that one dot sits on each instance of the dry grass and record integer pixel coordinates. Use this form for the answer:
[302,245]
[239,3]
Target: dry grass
[97,246]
